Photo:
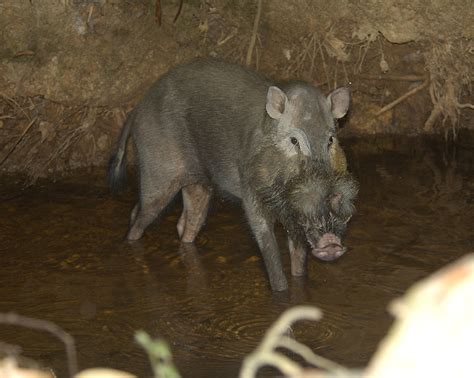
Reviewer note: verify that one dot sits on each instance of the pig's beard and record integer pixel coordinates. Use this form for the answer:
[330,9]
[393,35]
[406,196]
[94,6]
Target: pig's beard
[301,205]
[299,197]
[278,202]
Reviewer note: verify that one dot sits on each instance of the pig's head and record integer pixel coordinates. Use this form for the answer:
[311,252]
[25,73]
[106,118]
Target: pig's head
[319,207]
[302,123]
[300,175]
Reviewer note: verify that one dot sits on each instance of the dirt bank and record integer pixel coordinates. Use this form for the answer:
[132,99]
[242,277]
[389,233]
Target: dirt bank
[71,69]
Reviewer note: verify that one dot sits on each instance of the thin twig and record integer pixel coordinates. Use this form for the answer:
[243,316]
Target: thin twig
[305,52]
[56,123]
[18,141]
[44,325]
[393,77]
[403,98]
[91,10]
[158,12]
[16,104]
[226,39]
[313,55]
[345,73]
[298,59]
[178,12]
[254,33]
[288,367]
[24,53]
[359,68]
[257,58]
[70,139]
[310,357]
[464,106]
[324,62]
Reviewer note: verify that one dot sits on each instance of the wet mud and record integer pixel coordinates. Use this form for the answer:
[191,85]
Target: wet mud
[64,259]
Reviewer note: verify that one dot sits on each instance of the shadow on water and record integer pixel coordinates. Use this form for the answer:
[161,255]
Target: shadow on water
[64,260]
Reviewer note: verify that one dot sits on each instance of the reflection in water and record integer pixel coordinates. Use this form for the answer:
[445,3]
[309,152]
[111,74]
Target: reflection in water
[64,260]
[195,276]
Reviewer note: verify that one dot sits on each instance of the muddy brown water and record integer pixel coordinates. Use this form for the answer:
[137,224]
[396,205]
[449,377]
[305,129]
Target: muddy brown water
[63,259]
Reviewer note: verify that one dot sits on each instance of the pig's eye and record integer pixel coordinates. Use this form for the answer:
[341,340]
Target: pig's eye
[294,141]
[331,140]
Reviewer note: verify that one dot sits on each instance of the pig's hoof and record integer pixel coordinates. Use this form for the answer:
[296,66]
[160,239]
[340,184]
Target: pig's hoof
[134,235]
[280,286]
[187,239]
[298,272]
[180,226]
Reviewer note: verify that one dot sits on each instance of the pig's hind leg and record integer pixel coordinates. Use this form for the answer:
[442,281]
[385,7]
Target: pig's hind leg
[150,206]
[196,198]
[164,164]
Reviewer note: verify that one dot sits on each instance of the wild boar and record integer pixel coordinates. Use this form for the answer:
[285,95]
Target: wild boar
[208,126]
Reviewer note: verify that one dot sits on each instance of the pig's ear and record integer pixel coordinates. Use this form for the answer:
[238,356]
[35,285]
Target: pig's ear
[339,101]
[276,102]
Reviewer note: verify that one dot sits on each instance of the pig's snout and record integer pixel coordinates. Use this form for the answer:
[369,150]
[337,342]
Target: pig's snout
[328,248]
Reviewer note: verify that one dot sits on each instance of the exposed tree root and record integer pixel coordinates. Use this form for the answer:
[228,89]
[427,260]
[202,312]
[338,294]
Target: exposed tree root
[403,98]
[451,71]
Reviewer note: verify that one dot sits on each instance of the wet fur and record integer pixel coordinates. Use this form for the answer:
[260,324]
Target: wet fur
[302,202]
[210,126]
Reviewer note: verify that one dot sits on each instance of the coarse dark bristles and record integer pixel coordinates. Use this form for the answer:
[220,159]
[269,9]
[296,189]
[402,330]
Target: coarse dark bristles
[315,198]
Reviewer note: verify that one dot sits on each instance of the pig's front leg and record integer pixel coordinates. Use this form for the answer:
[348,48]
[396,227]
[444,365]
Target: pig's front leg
[298,258]
[263,231]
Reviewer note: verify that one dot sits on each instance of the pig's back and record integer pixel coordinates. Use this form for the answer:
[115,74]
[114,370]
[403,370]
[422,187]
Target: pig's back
[222,105]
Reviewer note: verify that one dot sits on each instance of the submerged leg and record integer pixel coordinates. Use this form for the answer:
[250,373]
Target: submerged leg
[196,198]
[298,258]
[133,214]
[263,231]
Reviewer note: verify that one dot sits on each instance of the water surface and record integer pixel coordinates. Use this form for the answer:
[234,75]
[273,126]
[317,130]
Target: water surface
[64,260]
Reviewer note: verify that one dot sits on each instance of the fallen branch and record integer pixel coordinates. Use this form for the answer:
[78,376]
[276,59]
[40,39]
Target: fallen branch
[267,354]
[254,33]
[403,98]
[44,325]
